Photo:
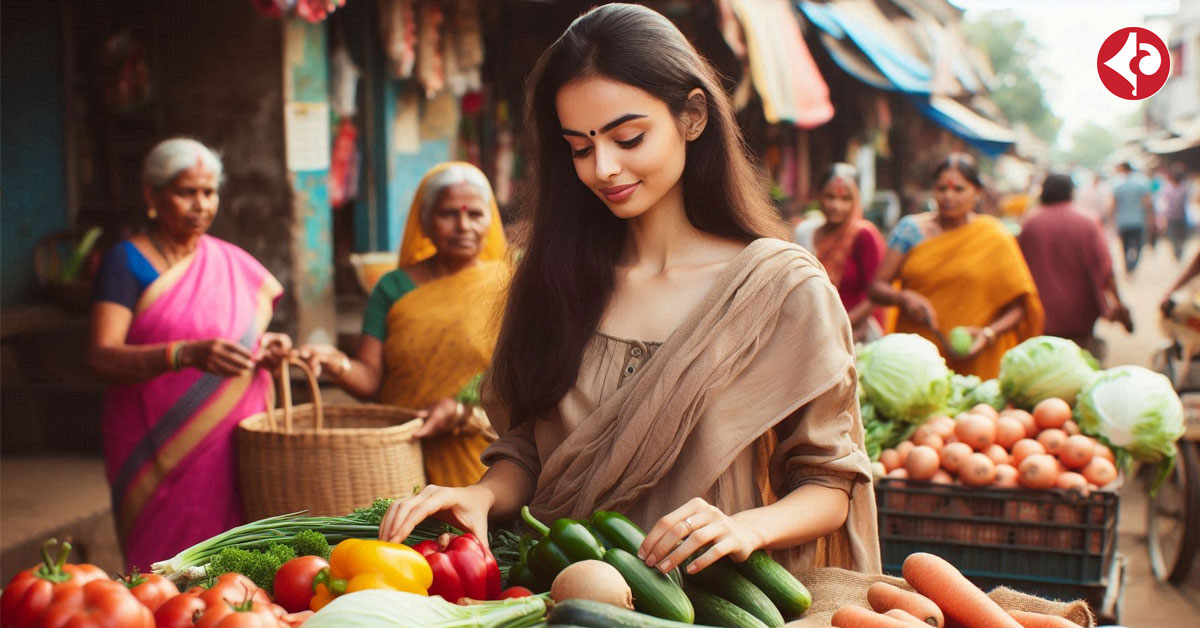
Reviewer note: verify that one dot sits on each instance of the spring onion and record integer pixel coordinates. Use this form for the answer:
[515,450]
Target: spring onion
[190,564]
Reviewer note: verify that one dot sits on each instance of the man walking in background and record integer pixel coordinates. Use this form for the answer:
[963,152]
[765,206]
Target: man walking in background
[1133,211]
[1068,257]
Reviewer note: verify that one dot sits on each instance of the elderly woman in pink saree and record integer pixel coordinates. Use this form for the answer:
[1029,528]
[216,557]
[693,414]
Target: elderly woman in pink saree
[179,331]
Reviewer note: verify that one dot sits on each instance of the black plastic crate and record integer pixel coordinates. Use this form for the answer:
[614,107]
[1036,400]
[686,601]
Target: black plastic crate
[1048,543]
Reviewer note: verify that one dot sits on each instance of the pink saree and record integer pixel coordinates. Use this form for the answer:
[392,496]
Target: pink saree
[169,441]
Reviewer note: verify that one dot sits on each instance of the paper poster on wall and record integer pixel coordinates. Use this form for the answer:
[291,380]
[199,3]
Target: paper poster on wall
[307,136]
[406,123]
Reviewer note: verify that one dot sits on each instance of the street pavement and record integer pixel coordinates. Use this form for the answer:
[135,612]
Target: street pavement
[1147,603]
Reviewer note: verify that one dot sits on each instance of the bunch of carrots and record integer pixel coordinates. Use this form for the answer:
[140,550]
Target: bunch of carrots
[944,597]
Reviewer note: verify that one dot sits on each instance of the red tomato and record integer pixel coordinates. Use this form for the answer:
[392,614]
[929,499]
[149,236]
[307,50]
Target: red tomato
[104,604]
[180,611]
[32,591]
[233,588]
[514,592]
[252,614]
[294,582]
[151,589]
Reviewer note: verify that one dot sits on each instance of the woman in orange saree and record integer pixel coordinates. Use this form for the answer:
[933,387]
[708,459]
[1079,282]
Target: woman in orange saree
[957,268]
[430,325]
[179,330]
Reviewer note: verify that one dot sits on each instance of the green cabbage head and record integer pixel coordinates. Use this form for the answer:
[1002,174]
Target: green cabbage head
[1044,367]
[904,376]
[1135,409]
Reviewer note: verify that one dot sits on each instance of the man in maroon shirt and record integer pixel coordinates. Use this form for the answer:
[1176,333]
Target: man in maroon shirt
[1067,254]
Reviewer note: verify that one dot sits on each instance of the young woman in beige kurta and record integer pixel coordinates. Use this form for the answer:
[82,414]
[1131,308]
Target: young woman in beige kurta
[665,352]
[753,396]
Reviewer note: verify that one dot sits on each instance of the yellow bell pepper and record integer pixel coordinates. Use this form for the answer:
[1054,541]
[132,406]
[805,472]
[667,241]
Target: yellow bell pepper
[359,564]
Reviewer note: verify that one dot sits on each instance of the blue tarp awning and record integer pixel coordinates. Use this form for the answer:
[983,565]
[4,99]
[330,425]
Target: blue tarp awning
[872,49]
[985,135]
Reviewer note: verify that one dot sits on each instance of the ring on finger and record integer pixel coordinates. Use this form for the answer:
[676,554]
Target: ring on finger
[688,522]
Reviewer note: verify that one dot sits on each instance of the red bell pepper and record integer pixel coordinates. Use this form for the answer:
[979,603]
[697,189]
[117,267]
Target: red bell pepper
[462,567]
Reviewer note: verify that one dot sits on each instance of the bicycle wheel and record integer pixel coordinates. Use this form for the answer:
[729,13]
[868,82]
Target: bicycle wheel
[1173,519]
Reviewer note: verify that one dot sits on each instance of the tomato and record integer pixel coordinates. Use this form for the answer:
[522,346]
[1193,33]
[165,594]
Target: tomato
[233,588]
[294,582]
[32,591]
[104,604]
[180,611]
[295,620]
[151,589]
[251,614]
[514,592]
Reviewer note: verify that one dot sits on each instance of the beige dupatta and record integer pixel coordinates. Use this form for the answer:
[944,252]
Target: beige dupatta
[769,338]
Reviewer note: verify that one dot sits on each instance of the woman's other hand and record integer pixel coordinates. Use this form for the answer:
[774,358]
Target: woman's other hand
[695,525]
[465,508]
[918,308]
[440,417]
[217,356]
[273,349]
[319,357]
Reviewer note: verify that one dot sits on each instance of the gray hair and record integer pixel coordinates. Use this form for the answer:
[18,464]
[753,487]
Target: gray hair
[451,176]
[170,157]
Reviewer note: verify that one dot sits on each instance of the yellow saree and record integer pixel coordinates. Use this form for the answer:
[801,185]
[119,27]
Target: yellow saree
[440,335]
[969,274]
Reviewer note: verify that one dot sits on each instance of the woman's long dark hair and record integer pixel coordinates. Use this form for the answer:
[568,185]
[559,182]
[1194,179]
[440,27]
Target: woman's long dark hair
[572,242]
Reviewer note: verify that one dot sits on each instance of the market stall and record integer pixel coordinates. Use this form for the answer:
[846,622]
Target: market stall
[1005,486]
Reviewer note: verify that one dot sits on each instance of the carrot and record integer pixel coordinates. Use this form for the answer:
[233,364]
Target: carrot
[960,600]
[896,613]
[1038,620]
[857,617]
[885,597]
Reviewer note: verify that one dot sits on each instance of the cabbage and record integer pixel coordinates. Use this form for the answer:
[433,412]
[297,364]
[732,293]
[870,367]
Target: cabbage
[904,377]
[1044,367]
[1135,409]
[383,608]
[987,392]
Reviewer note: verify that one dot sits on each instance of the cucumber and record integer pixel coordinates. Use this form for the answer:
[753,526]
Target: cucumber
[790,595]
[720,578]
[653,593]
[589,614]
[714,610]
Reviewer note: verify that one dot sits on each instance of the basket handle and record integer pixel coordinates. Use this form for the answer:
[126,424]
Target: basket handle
[286,388]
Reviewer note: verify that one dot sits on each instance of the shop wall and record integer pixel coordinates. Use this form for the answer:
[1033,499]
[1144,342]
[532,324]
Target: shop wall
[222,82]
[32,158]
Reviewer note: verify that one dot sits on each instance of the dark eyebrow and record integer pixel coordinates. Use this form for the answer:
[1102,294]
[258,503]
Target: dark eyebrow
[610,126]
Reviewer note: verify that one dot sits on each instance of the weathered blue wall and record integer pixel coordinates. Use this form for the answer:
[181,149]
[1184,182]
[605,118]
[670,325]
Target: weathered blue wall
[306,80]
[33,189]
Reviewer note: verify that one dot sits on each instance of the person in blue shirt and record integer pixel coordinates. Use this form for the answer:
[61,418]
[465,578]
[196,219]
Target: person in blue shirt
[1133,213]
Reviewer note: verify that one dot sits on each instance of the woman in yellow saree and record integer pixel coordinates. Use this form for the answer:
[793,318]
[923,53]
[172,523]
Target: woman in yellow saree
[957,268]
[430,325]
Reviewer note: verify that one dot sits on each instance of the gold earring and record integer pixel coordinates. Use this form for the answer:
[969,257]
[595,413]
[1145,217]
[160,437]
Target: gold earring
[152,214]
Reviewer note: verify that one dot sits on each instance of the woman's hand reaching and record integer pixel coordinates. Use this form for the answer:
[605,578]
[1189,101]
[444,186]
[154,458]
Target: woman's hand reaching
[465,508]
[691,527]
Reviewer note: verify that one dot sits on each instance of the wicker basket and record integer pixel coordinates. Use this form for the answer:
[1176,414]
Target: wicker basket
[326,459]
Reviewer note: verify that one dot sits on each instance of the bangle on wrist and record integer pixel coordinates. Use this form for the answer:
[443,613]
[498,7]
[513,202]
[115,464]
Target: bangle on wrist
[345,366]
[990,334]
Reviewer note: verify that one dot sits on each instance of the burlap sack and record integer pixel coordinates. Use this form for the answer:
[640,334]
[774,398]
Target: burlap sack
[833,588]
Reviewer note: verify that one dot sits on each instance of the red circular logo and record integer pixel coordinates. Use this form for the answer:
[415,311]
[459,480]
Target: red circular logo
[1133,63]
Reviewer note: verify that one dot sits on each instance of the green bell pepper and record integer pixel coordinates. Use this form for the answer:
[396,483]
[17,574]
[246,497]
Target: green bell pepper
[566,542]
[520,574]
